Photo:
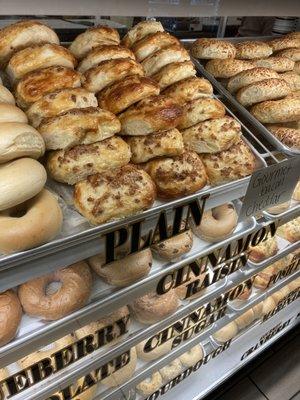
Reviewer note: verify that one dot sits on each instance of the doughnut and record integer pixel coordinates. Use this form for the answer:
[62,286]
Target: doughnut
[11,113]
[174,247]
[181,290]
[290,231]
[207,49]
[141,30]
[171,370]
[249,50]
[154,354]
[296,193]
[150,385]
[257,310]
[228,332]
[38,299]
[31,223]
[126,270]
[279,208]
[20,180]
[10,316]
[123,374]
[217,223]
[263,250]
[268,305]
[152,308]
[245,319]
[192,356]
[6,96]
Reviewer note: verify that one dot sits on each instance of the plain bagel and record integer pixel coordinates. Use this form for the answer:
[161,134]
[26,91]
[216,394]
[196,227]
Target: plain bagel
[74,292]
[30,224]
[11,113]
[192,356]
[160,350]
[150,385]
[10,316]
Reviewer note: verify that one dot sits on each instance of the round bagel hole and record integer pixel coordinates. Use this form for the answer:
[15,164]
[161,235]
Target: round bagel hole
[18,212]
[53,287]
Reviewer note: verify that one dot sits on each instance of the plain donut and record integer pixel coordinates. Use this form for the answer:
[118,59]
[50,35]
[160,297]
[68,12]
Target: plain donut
[150,385]
[41,222]
[76,284]
[217,223]
[192,356]
[10,316]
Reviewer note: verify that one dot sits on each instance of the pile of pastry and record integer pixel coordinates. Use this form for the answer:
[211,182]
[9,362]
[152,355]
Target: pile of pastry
[264,77]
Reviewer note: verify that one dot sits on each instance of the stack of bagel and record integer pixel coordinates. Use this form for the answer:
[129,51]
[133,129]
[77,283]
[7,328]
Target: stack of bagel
[264,77]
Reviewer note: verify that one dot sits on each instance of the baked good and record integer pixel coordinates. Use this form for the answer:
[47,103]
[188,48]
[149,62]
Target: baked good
[29,178]
[30,224]
[212,49]
[123,374]
[268,305]
[229,165]
[290,231]
[279,295]
[262,279]
[212,136]
[294,284]
[36,57]
[74,292]
[217,224]
[192,356]
[297,67]
[10,316]
[263,250]
[279,64]
[6,96]
[58,102]
[227,68]
[150,384]
[150,115]
[164,56]
[174,247]
[249,50]
[128,269]
[23,34]
[177,176]
[166,143]
[246,293]
[267,89]
[199,110]
[140,30]
[228,332]
[36,84]
[108,72]
[152,308]
[115,194]
[296,193]
[292,79]
[292,53]
[121,95]
[174,72]
[75,164]
[170,371]
[250,76]
[293,35]
[104,53]
[11,113]
[258,310]
[19,140]
[279,208]
[295,94]
[189,89]
[144,354]
[288,136]
[193,285]
[284,42]
[93,37]
[152,43]
[245,319]
[276,111]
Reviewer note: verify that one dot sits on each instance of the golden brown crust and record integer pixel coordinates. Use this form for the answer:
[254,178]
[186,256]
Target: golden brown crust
[141,30]
[212,49]
[10,316]
[174,72]
[288,136]
[278,64]
[177,176]
[229,165]
[284,42]
[189,89]
[252,49]
[115,194]
[250,76]
[291,230]
[264,250]
[292,79]
[227,68]
[121,95]
[276,111]
[6,96]
[36,84]
[297,67]
[292,54]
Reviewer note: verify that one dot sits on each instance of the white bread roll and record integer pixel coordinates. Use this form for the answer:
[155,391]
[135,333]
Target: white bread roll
[11,113]
[6,96]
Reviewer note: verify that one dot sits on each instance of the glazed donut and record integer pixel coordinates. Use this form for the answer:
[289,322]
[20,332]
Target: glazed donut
[150,385]
[264,250]
[6,96]
[296,193]
[152,308]
[171,370]
[228,331]
[258,310]
[30,224]
[245,319]
[20,180]
[268,305]
[11,113]
[10,316]
[123,374]
[126,270]
[279,208]
[181,290]
[192,356]
[38,300]
[217,223]
[154,354]
[174,247]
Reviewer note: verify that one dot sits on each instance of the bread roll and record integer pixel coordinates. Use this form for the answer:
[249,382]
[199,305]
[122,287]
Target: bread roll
[166,143]
[199,110]
[73,165]
[152,43]
[279,64]
[177,176]
[11,113]
[150,115]
[58,102]
[37,57]
[78,126]
[250,76]
[19,140]
[292,79]
[174,72]
[104,53]
[93,37]
[189,89]
[212,136]
[115,194]
[141,30]
[288,136]
[227,68]
[229,165]
[121,95]
[36,84]
[20,180]
[10,318]
[267,89]
[212,49]
[228,332]
[23,34]
[249,50]
[263,250]
[284,42]
[292,54]
[6,96]
[108,72]
[276,111]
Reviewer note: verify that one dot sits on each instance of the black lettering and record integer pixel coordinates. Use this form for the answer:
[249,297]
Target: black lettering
[114,240]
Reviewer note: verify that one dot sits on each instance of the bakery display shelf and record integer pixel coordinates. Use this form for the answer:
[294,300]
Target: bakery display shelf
[295,206]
